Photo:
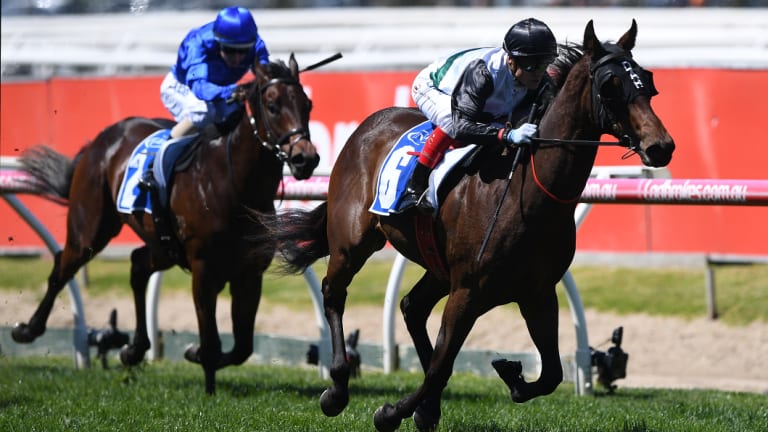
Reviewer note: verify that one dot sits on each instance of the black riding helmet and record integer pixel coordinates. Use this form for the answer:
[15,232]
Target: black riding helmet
[530,38]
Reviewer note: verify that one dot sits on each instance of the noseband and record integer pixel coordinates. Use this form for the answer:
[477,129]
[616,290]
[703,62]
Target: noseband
[271,141]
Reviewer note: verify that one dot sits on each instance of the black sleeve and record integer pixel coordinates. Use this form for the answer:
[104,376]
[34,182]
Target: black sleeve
[542,96]
[471,124]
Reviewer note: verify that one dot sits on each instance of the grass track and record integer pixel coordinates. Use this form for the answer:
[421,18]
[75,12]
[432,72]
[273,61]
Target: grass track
[48,394]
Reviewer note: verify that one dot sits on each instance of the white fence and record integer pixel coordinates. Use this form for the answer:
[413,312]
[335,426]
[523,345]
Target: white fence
[622,184]
[375,38]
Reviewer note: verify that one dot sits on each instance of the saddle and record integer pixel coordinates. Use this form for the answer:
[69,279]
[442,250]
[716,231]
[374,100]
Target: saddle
[176,155]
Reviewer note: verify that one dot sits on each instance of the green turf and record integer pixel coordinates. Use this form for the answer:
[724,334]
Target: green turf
[48,394]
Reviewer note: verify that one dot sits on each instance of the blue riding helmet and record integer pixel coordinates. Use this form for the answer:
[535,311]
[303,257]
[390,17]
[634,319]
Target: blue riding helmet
[235,27]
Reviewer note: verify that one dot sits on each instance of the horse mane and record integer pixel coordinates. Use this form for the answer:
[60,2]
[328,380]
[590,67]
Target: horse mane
[568,54]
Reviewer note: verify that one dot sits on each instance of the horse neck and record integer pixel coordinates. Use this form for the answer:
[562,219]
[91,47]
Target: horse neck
[565,169]
[250,166]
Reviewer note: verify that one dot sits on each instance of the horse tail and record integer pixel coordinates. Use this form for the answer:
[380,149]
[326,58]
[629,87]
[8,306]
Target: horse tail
[301,237]
[50,171]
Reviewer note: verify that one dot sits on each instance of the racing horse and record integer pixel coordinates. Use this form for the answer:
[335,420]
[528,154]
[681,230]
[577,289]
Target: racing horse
[600,89]
[230,171]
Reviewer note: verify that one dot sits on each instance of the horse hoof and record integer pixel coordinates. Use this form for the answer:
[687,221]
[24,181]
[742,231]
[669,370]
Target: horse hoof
[192,353]
[424,421]
[384,419]
[331,404]
[22,333]
[129,356]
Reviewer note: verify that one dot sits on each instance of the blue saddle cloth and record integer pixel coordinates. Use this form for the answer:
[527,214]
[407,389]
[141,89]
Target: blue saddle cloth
[155,147]
[398,167]
[400,163]
[131,198]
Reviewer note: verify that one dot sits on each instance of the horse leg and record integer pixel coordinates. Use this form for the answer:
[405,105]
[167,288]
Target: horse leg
[335,398]
[85,239]
[246,295]
[416,307]
[342,266]
[541,318]
[64,269]
[143,264]
[205,289]
[424,404]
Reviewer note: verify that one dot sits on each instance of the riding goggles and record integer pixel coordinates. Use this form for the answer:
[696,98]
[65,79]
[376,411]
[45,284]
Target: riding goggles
[533,63]
[229,49]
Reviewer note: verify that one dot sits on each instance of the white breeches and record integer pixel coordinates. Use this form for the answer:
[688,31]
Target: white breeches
[435,104]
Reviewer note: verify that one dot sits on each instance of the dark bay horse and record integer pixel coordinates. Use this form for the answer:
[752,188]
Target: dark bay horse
[600,90]
[230,173]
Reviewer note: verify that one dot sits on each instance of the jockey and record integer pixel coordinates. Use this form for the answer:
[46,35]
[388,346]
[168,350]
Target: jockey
[211,60]
[469,95]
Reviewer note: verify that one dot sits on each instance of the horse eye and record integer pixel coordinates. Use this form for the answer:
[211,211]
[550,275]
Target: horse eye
[273,108]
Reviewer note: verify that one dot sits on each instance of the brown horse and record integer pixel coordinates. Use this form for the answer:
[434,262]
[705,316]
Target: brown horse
[230,172]
[600,90]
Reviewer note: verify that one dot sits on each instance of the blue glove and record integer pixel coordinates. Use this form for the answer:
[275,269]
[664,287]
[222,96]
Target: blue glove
[521,135]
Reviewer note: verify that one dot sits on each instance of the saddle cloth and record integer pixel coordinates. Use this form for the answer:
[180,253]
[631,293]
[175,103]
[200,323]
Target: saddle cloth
[400,163]
[155,152]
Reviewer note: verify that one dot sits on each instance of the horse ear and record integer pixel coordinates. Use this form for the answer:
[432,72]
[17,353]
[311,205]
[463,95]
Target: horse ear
[627,41]
[591,44]
[294,66]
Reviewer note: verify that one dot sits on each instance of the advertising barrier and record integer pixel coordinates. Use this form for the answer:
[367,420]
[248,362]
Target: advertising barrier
[716,134]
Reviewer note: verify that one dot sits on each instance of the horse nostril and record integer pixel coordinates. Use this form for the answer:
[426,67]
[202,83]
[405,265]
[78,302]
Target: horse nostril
[298,160]
[660,153]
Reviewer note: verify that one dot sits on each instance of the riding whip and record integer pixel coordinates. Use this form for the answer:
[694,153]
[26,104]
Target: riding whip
[515,161]
[322,62]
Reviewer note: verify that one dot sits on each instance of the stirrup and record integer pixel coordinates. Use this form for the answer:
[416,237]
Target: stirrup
[147,182]
[413,200]
[423,205]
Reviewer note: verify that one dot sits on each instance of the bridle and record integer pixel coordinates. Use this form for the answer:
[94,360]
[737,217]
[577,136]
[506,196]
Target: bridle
[272,143]
[637,81]
[270,140]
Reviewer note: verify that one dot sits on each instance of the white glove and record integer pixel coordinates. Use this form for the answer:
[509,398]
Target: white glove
[521,135]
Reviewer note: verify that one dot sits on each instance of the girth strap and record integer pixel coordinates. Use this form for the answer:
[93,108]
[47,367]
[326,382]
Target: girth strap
[425,239]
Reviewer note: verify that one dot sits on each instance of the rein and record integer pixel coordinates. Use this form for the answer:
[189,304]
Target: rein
[601,115]
[625,141]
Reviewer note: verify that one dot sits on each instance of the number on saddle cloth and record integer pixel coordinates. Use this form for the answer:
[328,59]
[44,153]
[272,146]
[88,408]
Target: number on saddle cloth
[399,165]
[130,197]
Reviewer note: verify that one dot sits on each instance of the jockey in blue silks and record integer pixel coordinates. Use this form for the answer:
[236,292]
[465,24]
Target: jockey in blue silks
[211,60]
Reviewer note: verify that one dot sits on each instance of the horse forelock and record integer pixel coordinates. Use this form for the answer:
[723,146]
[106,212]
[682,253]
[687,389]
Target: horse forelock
[278,69]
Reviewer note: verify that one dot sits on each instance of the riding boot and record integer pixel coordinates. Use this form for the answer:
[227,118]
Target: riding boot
[160,215]
[415,191]
[431,154]
[147,181]
[161,219]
